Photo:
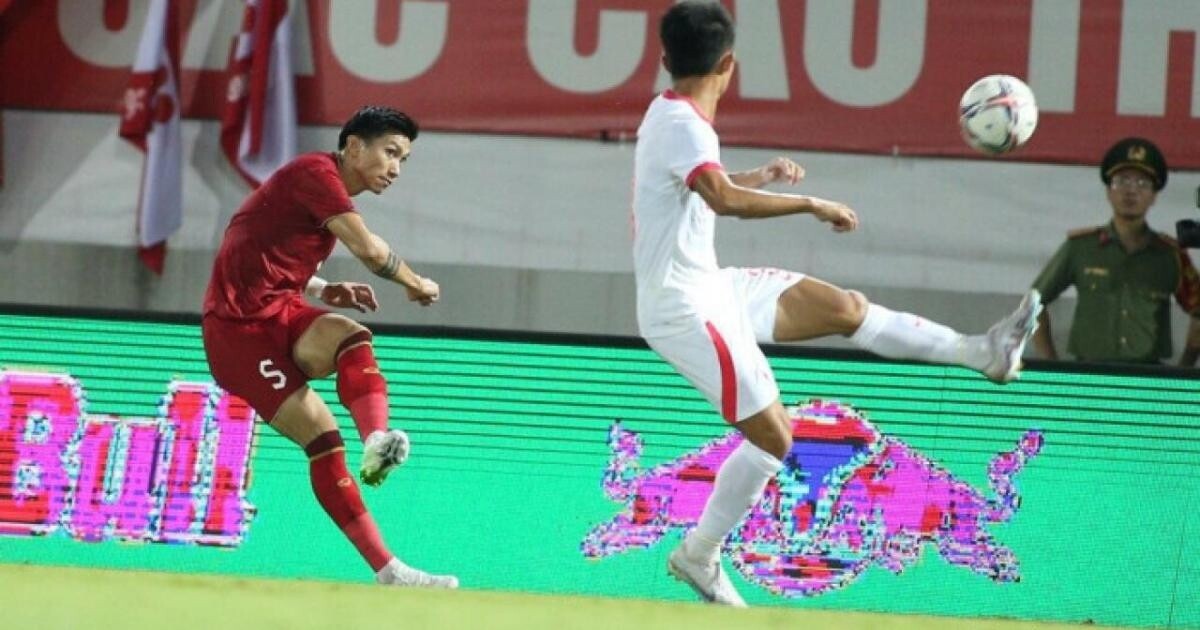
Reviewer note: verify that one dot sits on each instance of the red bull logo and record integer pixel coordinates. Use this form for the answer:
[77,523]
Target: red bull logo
[180,477]
[846,498]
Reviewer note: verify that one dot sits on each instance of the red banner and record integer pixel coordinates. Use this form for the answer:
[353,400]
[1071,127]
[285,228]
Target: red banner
[858,76]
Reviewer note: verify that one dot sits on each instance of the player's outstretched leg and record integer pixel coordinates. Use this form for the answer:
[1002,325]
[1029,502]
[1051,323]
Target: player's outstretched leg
[363,392]
[996,354]
[812,308]
[306,420]
[738,486]
[339,496]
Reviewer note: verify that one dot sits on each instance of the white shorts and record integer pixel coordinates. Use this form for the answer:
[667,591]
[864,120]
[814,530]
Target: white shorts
[719,355]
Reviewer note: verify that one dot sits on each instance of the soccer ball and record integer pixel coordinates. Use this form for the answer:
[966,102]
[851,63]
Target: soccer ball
[997,114]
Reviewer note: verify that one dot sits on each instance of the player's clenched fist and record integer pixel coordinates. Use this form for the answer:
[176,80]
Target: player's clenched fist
[839,215]
[783,170]
[425,293]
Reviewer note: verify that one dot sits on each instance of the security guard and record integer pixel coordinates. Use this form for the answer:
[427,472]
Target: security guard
[1124,272]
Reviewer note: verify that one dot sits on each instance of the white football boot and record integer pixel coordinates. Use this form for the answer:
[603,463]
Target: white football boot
[1007,338]
[396,573]
[707,578]
[383,451]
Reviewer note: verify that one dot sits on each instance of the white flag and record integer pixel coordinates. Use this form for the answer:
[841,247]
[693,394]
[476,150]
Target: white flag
[258,129]
[150,120]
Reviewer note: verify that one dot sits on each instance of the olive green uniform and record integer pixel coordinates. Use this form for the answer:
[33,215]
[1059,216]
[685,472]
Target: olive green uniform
[1123,311]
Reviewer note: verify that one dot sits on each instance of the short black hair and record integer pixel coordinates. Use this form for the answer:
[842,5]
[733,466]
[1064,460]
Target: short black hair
[694,35]
[373,121]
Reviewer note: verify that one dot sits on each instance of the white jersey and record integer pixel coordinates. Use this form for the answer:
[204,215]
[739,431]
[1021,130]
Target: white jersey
[673,252]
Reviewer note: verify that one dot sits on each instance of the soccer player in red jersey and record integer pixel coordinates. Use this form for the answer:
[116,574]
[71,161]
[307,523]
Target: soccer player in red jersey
[264,342]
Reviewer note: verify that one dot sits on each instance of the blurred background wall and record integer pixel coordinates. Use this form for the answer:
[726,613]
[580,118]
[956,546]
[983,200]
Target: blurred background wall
[527,226]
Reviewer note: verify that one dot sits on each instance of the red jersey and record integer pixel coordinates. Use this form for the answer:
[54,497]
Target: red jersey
[277,239]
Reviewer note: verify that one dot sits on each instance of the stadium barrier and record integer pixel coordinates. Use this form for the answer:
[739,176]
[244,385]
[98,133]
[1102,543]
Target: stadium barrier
[570,464]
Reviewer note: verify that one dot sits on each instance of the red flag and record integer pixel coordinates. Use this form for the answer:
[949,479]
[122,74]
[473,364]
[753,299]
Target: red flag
[150,120]
[3,5]
[258,130]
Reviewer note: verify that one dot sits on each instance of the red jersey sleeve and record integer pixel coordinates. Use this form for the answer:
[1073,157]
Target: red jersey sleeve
[319,190]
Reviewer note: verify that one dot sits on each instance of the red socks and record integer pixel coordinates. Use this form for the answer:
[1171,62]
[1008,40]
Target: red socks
[360,386]
[363,391]
[338,494]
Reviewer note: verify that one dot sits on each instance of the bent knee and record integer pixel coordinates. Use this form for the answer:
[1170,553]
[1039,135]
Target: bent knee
[777,441]
[341,327]
[316,350]
[778,446]
[353,335]
[850,310]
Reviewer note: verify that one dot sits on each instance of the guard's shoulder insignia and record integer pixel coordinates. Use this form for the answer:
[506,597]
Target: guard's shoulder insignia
[1084,231]
[1167,240]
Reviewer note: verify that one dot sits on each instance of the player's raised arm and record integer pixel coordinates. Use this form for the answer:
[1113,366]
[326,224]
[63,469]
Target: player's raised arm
[378,256]
[727,198]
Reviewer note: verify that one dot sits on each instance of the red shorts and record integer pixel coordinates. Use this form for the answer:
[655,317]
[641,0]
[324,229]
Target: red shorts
[252,359]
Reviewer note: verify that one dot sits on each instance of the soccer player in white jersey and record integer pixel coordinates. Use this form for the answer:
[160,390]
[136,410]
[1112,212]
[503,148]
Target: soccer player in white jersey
[707,321]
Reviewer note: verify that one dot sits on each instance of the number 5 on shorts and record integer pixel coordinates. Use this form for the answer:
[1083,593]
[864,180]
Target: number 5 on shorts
[266,367]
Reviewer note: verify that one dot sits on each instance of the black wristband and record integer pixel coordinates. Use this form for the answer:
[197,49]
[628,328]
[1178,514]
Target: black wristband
[389,267]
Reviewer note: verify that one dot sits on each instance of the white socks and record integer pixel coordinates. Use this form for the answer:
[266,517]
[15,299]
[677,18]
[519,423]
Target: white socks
[739,485]
[905,336]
